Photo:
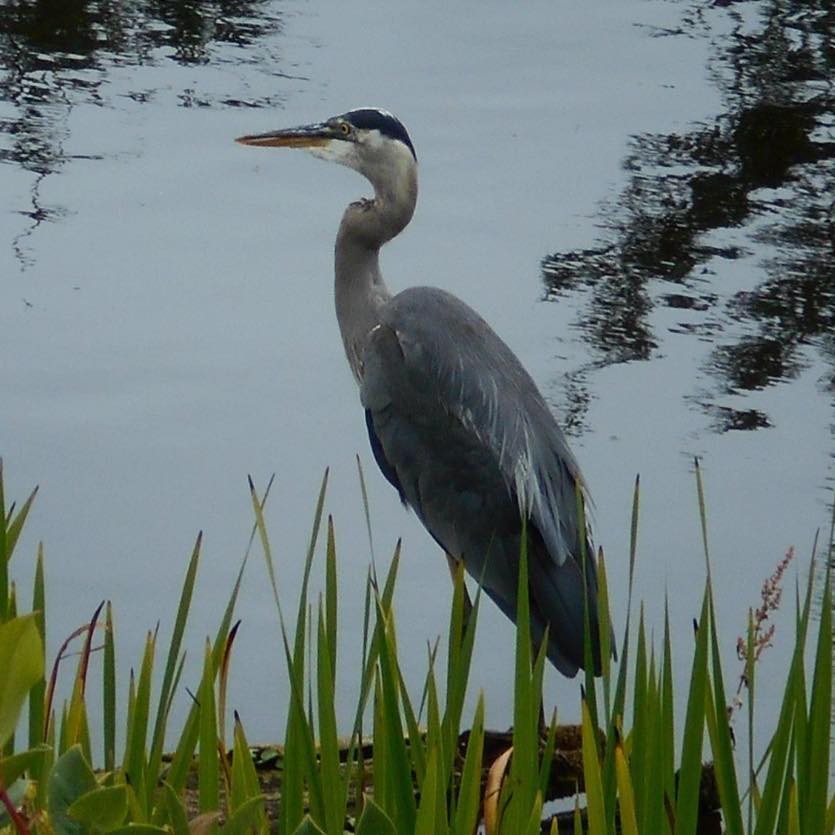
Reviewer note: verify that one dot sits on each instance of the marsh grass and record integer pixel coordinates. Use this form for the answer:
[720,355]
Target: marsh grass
[642,777]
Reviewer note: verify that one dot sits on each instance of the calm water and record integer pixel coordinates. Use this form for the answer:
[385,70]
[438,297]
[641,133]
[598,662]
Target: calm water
[637,195]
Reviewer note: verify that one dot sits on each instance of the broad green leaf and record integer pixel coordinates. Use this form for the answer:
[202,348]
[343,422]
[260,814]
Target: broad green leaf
[13,767]
[374,821]
[307,827]
[103,808]
[248,817]
[22,663]
[71,777]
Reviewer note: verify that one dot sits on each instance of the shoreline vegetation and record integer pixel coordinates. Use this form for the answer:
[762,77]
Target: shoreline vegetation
[413,763]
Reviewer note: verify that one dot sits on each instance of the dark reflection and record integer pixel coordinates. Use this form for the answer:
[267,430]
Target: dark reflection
[766,167]
[55,54]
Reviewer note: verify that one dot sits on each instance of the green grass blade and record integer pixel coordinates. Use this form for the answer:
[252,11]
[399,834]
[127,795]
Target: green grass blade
[427,812]
[523,767]
[331,607]
[175,811]
[626,798]
[687,798]
[398,766]
[38,691]
[164,705]
[245,783]
[813,811]
[640,722]
[109,692]
[469,792]
[4,553]
[366,509]
[720,738]
[15,525]
[459,657]
[667,715]
[334,795]
[182,760]
[702,515]
[208,776]
[547,759]
[595,805]
[135,762]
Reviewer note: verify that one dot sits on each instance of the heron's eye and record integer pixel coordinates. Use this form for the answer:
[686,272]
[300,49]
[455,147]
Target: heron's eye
[344,128]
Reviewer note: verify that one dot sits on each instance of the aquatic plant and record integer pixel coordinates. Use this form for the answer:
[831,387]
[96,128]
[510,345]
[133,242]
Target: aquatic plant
[416,772]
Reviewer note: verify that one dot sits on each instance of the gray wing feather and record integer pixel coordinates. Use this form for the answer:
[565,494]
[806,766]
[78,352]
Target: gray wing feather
[430,345]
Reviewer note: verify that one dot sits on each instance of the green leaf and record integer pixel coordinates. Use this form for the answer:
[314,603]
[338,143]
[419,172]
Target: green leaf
[22,663]
[177,818]
[207,765]
[335,797]
[71,777]
[16,524]
[244,777]
[687,799]
[38,692]
[626,797]
[248,817]
[720,739]
[307,827]
[466,813]
[14,766]
[135,762]
[109,691]
[103,808]
[166,693]
[592,776]
[425,822]
[813,811]
[398,769]
[374,821]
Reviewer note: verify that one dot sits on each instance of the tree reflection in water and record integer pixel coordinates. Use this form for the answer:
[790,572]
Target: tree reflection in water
[56,54]
[764,167]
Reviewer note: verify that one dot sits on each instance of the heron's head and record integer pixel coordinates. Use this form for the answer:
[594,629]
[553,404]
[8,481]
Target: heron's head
[369,140]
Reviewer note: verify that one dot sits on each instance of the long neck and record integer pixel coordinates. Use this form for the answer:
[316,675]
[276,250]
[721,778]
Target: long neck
[359,289]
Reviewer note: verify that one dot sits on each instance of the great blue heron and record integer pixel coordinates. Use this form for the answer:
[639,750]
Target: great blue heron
[455,422]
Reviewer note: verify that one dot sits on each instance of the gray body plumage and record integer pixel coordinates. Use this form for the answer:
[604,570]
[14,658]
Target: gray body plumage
[455,422]
[461,430]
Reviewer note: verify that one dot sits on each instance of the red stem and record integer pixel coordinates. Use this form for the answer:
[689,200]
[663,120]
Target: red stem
[17,819]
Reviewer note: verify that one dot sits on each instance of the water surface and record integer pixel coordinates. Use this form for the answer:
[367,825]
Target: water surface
[636,195]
